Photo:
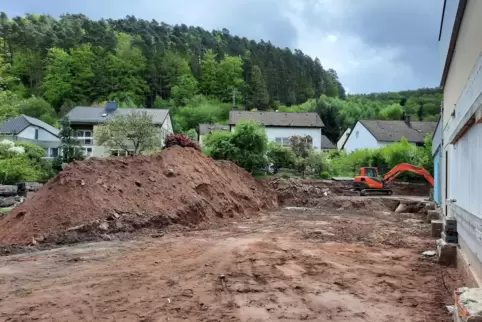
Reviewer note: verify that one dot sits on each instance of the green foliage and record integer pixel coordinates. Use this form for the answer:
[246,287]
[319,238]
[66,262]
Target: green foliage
[70,149]
[17,169]
[301,145]
[246,146]
[199,110]
[38,108]
[325,175]
[133,133]
[185,89]
[257,95]
[384,158]
[280,157]
[21,161]
[392,112]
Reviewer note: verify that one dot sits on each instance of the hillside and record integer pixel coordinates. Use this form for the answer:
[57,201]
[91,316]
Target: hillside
[75,60]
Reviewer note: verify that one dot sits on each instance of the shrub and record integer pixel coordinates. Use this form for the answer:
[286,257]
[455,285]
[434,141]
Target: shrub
[246,146]
[17,169]
[280,157]
[285,175]
[325,175]
[180,140]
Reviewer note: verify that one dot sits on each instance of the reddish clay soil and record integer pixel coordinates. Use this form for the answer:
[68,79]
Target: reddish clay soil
[92,198]
[291,265]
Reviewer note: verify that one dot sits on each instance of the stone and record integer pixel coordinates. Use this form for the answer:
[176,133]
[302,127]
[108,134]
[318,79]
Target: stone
[468,305]
[104,226]
[437,227]
[432,215]
[402,207]
[8,201]
[429,253]
[446,252]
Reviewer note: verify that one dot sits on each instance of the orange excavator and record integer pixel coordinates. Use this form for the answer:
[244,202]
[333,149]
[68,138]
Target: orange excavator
[368,180]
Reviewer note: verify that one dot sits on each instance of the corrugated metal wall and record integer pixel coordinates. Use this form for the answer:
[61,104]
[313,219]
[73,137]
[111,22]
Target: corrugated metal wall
[465,182]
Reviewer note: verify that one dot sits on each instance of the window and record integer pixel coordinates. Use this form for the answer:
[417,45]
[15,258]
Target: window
[53,153]
[357,134]
[283,141]
[85,137]
[120,153]
[36,134]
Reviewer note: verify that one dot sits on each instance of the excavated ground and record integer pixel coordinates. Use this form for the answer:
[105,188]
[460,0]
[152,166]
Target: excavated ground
[326,264]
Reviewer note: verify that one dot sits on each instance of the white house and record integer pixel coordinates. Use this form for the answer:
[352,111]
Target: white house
[29,129]
[84,119]
[372,134]
[461,126]
[343,138]
[280,126]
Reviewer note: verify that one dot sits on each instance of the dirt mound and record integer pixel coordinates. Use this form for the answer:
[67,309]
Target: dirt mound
[97,197]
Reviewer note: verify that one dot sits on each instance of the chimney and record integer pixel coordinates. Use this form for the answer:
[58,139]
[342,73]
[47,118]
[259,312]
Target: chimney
[407,120]
[111,107]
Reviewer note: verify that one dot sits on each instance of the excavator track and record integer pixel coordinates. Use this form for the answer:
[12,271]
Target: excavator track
[365,192]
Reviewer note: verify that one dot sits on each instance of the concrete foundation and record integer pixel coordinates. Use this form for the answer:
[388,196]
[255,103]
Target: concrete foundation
[446,252]
[468,305]
[437,227]
[432,215]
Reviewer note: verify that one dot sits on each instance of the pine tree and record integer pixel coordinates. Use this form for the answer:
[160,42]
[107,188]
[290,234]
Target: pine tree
[257,95]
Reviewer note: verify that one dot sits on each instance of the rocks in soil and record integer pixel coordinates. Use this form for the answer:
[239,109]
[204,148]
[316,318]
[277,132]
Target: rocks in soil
[177,186]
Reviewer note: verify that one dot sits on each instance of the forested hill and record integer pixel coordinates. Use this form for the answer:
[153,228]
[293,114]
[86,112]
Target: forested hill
[75,60]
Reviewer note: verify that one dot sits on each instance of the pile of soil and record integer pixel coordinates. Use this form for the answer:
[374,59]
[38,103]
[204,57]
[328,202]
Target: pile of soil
[98,197]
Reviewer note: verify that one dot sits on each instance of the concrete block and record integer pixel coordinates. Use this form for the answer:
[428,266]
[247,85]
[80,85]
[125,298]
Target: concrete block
[468,305]
[452,238]
[437,226]
[446,252]
[432,215]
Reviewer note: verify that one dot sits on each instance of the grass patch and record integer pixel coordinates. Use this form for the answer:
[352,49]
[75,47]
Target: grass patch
[5,210]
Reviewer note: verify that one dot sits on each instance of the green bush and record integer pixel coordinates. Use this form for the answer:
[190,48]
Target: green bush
[17,169]
[325,175]
[285,175]
[246,146]
[280,157]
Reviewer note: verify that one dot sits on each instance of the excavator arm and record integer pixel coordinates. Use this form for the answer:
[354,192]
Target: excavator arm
[405,167]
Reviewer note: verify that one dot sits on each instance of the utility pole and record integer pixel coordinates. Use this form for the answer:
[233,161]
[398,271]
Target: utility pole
[234,98]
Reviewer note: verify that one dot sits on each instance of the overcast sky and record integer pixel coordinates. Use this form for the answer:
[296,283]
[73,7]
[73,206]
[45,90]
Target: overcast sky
[374,45]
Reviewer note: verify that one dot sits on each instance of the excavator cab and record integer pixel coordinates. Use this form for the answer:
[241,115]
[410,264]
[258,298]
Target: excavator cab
[369,172]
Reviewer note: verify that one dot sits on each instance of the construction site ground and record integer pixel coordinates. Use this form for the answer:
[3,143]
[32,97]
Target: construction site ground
[341,258]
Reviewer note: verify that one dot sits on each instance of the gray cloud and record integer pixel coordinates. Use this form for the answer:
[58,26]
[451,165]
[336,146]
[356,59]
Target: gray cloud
[375,45]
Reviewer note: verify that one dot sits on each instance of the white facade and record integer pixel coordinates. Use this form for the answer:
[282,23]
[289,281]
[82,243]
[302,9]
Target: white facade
[361,138]
[343,138]
[37,133]
[462,129]
[281,135]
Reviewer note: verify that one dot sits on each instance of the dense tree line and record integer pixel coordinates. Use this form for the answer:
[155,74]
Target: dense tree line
[75,60]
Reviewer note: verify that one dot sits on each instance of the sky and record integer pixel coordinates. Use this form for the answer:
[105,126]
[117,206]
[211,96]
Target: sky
[374,45]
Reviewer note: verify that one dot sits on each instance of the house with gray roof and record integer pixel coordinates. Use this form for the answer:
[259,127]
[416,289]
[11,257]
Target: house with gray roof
[24,128]
[85,119]
[372,134]
[280,126]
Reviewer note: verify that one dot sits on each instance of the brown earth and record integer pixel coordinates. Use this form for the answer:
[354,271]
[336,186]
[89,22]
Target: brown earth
[324,264]
[92,198]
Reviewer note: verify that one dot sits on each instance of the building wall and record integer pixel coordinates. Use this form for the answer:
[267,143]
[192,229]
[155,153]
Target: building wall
[361,138]
[467,52]
[287,132]
[166,129]
[29,133]
[343,138]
